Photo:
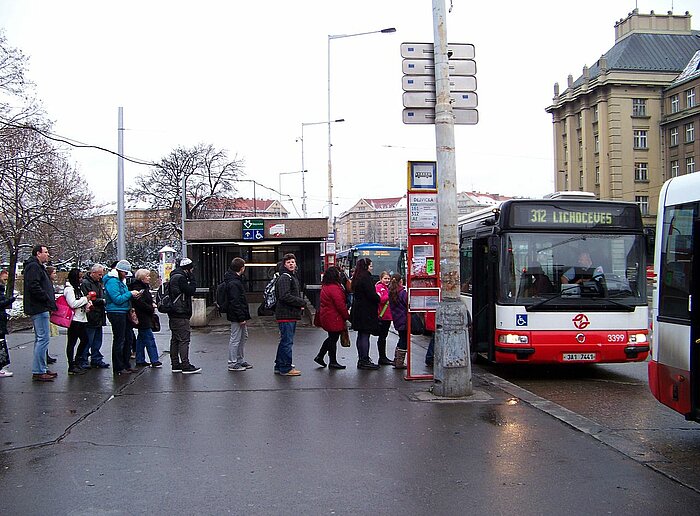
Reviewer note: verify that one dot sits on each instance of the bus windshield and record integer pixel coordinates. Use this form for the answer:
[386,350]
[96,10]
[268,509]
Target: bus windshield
[564,269]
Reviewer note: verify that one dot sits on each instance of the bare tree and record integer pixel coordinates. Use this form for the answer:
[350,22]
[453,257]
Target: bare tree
[42,193]
[208,173]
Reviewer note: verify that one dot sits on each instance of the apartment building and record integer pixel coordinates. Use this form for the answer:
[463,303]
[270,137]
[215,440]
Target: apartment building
[385,220]
[607,123]
[680,122]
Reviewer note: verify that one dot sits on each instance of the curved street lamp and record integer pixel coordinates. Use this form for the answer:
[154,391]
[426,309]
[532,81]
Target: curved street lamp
[330,167]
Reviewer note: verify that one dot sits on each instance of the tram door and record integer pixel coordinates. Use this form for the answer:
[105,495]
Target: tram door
[482,300]
[695,323]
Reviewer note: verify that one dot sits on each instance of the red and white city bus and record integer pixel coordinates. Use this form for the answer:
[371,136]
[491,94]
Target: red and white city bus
[674,368]
[556,280]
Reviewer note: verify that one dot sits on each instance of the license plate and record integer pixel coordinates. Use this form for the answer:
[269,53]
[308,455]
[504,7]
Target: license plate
[584,357]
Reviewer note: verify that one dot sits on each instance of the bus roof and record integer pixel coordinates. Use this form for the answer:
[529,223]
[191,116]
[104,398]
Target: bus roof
[681,189]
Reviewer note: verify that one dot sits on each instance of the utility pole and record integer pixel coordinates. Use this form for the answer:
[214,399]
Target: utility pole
[452,370]
[121,224]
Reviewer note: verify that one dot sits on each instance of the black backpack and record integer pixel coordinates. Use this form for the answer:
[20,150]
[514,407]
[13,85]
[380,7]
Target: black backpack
[222,297]
[165,304]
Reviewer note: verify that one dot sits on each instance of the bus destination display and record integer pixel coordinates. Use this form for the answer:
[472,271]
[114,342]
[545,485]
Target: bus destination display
[578,215]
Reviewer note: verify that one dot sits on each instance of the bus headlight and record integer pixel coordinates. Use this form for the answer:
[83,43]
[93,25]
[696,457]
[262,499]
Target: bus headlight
[511,338]
[638,338]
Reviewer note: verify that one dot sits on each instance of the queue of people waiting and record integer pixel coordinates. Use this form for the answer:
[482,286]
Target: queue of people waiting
[123,297]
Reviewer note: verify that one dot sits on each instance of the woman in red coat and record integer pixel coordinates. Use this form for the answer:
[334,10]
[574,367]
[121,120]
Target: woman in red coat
[333,313]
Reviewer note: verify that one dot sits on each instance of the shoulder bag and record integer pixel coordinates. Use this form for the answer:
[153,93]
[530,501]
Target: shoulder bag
[63,315]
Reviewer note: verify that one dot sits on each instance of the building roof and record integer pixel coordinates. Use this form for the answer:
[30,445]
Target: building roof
[388,203]
[647,53]
[690,72]
[239,204]
[483,199]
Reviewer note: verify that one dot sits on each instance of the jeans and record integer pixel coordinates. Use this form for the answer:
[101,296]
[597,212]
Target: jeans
[429,354]
[145,339]
[362,344]
[76,331]
[236,343]
[41,342]
[403,339]
[283,360]
[92,351]
[120,351]
[179,340]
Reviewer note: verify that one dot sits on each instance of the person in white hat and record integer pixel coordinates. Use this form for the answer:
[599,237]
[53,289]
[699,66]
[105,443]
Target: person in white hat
[117,304]
[182,288]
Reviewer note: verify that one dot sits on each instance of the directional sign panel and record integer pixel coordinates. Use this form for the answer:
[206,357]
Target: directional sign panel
[253,229]
[427,116]
[426,50]
[427,83]
[427,67]
[420,99]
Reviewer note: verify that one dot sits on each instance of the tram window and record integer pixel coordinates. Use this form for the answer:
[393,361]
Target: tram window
[676,261]
[466,256]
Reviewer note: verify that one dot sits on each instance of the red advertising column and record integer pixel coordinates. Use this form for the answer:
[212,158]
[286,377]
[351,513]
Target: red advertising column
[423,253]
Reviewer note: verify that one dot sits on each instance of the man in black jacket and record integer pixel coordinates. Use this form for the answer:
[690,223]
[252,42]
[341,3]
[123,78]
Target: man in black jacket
[287,312]
[92,287]
[238,313]
[39,301]
[182,287]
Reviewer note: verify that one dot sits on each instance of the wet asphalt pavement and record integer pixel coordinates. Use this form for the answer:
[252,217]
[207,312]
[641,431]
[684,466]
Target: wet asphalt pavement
[327,442]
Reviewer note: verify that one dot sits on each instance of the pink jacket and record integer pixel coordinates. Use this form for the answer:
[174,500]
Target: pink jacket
[383,292]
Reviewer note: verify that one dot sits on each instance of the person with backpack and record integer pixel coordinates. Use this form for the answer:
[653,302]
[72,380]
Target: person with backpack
[288,311]
[181,288]
[235,306]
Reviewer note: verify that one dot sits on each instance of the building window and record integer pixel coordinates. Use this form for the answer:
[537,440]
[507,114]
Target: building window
[580,180]
[595,113]
[580,149]
[597,175]
[690,98]
[596,143]
[674,168]
[643,203]
[639,107]
[641,172]
[690,165]
[675,104]
[640,138]
[673,136]
[690,132]
[579,120]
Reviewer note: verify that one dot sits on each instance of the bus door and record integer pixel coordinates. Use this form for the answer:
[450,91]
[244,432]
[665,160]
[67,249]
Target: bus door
[483,302]
[695,325]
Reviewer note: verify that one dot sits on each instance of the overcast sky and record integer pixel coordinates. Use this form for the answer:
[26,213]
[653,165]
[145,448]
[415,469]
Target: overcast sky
[244,76]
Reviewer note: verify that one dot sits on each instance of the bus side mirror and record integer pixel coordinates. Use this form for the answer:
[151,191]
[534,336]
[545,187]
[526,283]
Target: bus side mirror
[493,249]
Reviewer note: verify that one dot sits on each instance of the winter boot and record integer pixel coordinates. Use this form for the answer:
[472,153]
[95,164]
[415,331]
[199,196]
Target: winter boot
[399,358]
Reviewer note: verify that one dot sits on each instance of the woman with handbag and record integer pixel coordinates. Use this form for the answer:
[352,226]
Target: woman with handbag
[333,312]
[364,311]
[398,304]
[382,288]
[76,330]
[144,308]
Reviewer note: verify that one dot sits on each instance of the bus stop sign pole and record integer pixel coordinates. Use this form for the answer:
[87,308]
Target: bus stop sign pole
[452,366]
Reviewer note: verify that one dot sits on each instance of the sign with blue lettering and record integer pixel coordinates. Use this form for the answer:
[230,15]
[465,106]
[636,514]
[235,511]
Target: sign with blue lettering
[253,234]
[521,319]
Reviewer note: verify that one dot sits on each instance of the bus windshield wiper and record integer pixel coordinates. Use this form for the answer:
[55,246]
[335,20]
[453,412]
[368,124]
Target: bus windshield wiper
[535,306]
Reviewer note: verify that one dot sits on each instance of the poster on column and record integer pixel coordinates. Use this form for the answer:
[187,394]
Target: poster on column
[423,211]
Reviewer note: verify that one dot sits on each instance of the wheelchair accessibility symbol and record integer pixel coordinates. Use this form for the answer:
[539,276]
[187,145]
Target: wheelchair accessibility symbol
[521,320]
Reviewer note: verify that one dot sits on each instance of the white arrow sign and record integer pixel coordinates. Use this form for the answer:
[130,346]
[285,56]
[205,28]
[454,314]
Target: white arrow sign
[421,99]
[427,67]
[427,116]
[426,50]
[427,83]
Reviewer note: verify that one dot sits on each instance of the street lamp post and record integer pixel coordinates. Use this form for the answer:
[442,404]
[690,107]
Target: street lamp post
[330,167]
[303,170]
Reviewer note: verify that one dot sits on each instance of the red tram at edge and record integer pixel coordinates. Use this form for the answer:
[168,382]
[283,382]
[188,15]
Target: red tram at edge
[556,280]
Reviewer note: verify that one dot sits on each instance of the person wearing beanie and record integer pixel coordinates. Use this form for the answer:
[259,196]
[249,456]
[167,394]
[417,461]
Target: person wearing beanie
[182,288]
[117,303]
